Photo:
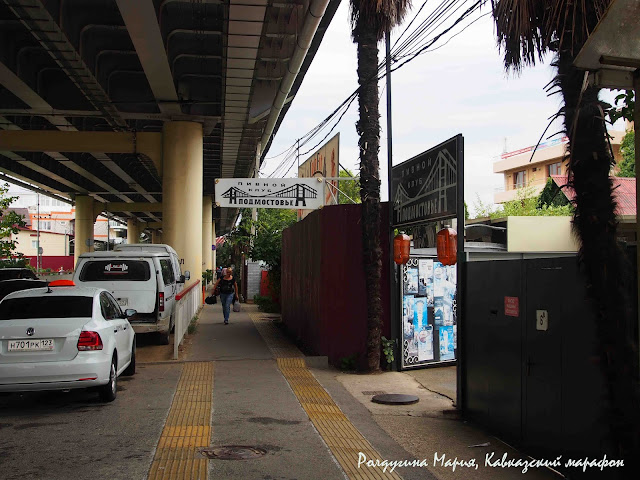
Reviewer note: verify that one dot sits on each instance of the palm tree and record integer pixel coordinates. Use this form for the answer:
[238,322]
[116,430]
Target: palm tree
[370,20]
[526,30]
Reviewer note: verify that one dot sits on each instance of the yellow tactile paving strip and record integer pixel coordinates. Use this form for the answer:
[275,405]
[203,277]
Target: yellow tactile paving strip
[342,438]
[188,427]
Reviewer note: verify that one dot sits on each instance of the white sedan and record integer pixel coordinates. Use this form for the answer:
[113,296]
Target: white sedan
[62,337]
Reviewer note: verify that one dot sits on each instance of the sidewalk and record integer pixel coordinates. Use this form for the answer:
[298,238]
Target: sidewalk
[315,422]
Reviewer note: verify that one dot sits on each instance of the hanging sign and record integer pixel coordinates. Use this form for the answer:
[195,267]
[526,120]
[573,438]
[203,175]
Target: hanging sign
[424,188]
[291,193]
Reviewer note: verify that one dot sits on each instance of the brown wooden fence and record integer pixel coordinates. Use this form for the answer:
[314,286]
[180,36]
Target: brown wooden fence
[323,286]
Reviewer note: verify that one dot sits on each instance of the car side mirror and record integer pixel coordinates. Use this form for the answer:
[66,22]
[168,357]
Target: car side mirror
[187,275]
[130,312]
[181,279]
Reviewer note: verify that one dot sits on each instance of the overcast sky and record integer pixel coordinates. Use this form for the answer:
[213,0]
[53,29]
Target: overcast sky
[461,87]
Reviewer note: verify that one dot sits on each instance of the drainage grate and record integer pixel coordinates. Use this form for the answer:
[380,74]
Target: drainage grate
[233,452]
[374,392]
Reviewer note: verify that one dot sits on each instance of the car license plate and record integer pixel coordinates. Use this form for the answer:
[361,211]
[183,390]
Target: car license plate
[123,302]
[31,345]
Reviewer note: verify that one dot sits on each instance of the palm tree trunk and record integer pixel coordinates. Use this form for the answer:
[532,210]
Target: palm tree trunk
[368,128]
[601,257]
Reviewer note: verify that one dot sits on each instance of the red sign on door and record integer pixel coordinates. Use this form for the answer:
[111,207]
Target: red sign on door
[511,306]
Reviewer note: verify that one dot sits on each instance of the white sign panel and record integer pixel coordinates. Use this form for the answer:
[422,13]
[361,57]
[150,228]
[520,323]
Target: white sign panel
[293,193]
[542,320]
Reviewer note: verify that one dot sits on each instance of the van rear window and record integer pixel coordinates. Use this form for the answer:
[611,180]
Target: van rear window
[115,270]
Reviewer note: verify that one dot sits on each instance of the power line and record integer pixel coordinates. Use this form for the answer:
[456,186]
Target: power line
[416,43]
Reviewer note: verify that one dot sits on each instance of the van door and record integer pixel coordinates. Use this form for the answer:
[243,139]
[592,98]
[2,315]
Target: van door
[131,281]
[177,271]
[169,285]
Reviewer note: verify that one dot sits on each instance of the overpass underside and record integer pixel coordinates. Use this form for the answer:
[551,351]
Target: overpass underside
[132,109]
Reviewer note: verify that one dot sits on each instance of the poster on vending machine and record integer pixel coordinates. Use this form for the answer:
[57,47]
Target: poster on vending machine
[425,275]
[429,326]
[407,317]
[446,343]
[411,281]
[425,344]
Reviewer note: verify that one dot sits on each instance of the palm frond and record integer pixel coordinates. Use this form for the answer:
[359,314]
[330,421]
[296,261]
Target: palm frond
[519,29]
[380,15]
[570,22]
[527,29]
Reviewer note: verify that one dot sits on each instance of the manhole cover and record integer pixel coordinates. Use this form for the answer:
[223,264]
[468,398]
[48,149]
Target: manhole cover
[395,399]
[233,452]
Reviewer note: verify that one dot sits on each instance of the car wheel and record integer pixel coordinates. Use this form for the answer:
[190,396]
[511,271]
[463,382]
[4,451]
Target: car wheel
[164,338]
[107,392]
[131,369]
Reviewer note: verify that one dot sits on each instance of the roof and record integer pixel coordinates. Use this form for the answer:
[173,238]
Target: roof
[24,212]
[624,192]
[124,254]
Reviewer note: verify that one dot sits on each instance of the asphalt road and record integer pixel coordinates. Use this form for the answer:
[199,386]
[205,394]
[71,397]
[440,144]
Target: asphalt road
[57,435]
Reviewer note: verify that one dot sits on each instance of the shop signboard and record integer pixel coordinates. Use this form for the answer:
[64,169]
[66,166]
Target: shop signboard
[324,162]
[429,312]
[424,188]
[290,193]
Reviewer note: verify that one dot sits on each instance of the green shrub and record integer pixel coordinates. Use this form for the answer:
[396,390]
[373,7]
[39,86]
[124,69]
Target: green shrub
[266,304]
[348,363]
[207,277]
[387,350]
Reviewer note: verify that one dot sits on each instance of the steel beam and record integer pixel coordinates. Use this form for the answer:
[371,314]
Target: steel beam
[132,207]
[145,143]
[141,21]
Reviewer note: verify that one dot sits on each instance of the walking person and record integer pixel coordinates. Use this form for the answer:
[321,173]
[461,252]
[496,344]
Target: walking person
[228,292]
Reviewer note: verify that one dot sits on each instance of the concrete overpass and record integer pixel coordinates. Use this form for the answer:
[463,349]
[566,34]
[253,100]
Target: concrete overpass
[135,107]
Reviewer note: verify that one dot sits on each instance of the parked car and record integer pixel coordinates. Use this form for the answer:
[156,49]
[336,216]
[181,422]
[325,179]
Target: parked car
[11,273]
[142,280]
[64,337]
[15,284]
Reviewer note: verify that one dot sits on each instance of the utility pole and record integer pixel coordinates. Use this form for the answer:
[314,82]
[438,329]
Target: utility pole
[393,269]
[38,264]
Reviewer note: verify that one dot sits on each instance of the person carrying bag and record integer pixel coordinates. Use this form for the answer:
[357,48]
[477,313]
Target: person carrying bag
[228,289]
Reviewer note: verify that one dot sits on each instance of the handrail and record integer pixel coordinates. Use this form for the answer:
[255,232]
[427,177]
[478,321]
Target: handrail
[188,303]
[186,290]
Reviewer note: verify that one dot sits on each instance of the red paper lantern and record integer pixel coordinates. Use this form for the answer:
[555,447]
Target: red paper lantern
[447,246]
[401,248]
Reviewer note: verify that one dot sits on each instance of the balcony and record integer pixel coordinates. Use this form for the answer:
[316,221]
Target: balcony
[533,188]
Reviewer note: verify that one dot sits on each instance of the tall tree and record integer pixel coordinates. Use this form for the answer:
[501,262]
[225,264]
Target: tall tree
[627,166]
[9,223]
[370,20]
[349,189]
[526,30]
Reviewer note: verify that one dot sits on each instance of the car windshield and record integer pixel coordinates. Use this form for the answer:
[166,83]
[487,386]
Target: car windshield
[115,270]
[45,307]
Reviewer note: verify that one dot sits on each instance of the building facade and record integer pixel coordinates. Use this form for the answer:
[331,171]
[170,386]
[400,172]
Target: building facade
[522,169]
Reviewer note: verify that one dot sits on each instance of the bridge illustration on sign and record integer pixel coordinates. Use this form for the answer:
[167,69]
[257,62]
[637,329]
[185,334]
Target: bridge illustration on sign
[298,191]
[442,177]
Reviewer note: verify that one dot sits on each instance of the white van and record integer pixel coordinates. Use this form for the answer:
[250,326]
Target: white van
[155,247]
[143,280]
